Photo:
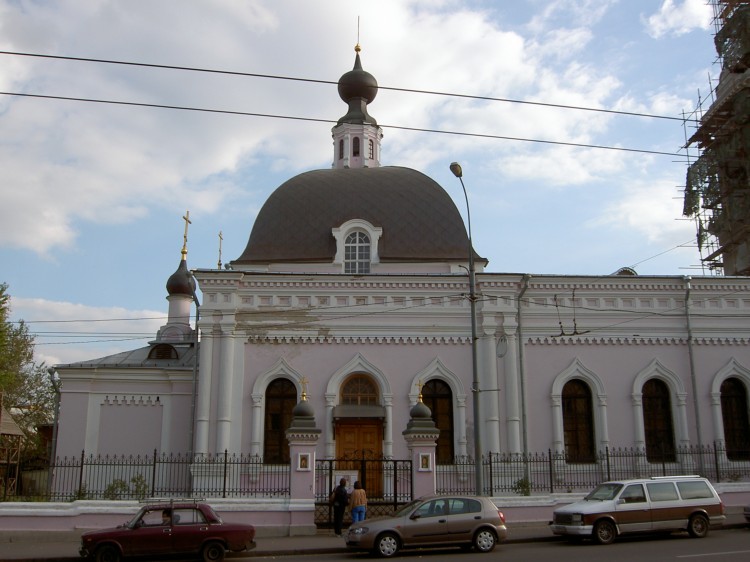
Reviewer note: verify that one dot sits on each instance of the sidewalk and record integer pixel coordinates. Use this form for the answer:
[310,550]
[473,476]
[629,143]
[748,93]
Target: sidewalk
[63,547]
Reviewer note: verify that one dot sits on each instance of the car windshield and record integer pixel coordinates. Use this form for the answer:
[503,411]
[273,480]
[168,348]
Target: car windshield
[406,508]
[604,492]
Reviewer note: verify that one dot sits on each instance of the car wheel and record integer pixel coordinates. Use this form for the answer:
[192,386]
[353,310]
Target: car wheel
[604,532]
[213,552]
[387,545]
[484,540]
[698,526]
[107,553]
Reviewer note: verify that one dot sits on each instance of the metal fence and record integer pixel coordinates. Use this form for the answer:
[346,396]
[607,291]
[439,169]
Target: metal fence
[524,474]
[159,475]
[387,483]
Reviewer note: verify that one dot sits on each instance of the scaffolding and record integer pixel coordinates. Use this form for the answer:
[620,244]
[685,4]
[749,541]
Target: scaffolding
[717,182]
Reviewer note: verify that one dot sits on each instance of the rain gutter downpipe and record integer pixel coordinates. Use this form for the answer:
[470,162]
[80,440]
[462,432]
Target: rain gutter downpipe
[522,375]
[693,380]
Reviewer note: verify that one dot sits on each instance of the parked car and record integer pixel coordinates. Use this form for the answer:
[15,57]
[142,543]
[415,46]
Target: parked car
[464,521]
[187,528]
[659,504]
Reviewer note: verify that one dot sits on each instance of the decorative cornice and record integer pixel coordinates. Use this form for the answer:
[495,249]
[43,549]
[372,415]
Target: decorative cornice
[347,339]
[656,340]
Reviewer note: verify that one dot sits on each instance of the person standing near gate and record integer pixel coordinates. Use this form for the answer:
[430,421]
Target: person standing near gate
[359,502]
[339,500]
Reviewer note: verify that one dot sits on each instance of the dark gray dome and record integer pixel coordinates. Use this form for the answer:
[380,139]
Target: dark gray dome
[420,222]
[181,282]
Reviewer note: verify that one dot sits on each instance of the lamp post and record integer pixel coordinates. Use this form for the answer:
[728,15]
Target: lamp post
[478,473]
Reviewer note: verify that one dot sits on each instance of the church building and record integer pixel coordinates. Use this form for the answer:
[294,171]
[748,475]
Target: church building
[356,288]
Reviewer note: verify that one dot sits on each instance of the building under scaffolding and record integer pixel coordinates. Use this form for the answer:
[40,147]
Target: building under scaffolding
[717,186]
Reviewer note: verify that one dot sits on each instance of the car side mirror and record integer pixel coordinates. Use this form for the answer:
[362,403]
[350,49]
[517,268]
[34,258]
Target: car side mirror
[414,516]
[620,501]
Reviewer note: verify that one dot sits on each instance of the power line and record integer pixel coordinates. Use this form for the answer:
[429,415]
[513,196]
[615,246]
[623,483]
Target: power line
[330,82]
[329,121]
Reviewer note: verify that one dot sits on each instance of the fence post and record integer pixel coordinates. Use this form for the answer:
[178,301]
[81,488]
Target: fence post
[491,479]
[609,469]
[153,477]
[716,462]
[224,486]
[551,472]
[80,476]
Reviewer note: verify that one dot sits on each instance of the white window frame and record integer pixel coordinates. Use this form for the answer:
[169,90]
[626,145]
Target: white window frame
[341,233]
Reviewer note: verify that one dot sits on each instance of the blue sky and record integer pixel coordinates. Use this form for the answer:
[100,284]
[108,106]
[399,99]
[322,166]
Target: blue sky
[93,194]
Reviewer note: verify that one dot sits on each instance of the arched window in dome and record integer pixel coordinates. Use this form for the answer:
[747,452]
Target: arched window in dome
[341,149]
[355,146]
[357,253]
[371,149]
[281,397]
[162,351]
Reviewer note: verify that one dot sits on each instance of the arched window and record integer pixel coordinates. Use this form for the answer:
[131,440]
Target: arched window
[281,397]
[359,390]
[735,415]
[357,253]
[341,149]
[371,149]
[657,422]
[578,422]
[355,146]
[437,396]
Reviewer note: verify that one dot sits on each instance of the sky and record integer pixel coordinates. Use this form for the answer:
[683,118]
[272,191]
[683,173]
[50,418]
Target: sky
[93,194]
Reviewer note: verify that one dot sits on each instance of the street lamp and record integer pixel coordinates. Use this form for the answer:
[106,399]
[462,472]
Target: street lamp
[479,474]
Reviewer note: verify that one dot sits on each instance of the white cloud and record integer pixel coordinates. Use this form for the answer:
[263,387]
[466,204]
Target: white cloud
[68,332]
[677,19]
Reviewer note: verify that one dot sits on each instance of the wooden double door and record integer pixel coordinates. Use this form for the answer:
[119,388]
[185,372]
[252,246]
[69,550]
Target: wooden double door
[359,447]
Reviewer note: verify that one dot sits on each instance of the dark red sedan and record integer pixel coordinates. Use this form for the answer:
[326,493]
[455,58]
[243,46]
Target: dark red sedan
[168,528]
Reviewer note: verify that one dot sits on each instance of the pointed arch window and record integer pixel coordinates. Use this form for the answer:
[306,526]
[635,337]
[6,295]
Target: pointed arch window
[355,146]
[734,413]
[437,396]
[359,390]
[371,149]
[578,422]
[341,149]
[281,397]
[657,422]
[357,253]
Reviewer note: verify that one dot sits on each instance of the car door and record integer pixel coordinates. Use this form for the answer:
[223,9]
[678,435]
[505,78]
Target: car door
[464,514]
[189,530]
[667,511]
[150,536]
[632,510]
[427,524]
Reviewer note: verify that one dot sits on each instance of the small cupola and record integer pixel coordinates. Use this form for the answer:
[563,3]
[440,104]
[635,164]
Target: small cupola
[356,136]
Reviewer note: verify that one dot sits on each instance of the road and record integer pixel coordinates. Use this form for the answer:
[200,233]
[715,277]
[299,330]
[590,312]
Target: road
[731,545]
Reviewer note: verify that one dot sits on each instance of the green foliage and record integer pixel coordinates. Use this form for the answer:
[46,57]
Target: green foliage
[140,487]
[28,395]
[522,486]
[115,489]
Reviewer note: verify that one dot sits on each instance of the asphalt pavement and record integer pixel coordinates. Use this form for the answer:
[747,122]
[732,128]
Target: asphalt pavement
[52,546]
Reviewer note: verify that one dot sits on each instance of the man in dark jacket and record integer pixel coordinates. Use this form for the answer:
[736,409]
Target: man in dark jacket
[339,501]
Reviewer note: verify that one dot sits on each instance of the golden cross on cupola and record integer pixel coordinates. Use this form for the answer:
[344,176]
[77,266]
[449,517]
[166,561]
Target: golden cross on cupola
[303,384]
[220,239]
[187,220]
[420,385]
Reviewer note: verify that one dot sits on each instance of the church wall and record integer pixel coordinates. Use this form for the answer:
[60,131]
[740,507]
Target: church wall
[325,366]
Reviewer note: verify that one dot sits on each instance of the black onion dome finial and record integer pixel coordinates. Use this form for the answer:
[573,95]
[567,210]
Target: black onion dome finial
[357,84]
[181,282]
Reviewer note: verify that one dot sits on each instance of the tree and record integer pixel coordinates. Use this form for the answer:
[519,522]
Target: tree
[28,395]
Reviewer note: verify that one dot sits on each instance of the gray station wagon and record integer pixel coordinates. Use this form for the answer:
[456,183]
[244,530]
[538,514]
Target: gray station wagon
[659,504]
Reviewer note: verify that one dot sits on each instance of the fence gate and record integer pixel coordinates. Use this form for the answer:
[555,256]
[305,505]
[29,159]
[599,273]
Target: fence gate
[387,483]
